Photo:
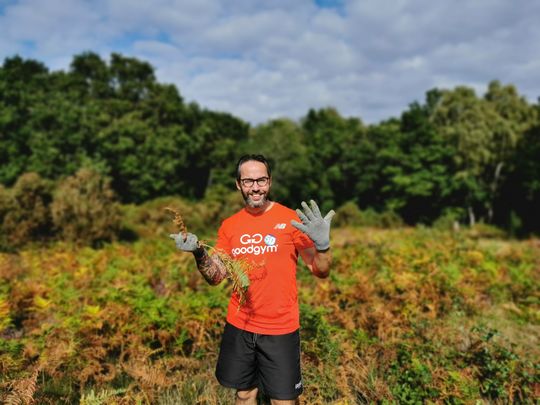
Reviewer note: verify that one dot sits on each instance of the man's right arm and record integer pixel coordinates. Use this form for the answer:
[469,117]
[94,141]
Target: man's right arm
[211,267]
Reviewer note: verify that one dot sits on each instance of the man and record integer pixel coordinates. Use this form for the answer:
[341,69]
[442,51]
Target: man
[261,344]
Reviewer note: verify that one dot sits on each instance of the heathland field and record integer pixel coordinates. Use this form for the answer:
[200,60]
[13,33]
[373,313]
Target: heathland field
[408,315]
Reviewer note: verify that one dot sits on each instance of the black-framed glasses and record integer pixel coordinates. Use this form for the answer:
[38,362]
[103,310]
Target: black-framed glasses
[261,182]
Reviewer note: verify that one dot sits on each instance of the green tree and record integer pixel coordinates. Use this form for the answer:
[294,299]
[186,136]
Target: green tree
[327,137]
[420,175]
[131,79]
[522,188]
[466,122]
[364,162]
[485,132]
[402,166]
[22,85]
[140,159]
[216,139]
[90,77]
[516,118]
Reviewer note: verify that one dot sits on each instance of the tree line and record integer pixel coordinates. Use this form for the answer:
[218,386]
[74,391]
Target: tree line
[454,155]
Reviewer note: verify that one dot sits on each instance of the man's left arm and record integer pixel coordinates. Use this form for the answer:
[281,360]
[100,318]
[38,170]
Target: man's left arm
[318,258]
[319,263]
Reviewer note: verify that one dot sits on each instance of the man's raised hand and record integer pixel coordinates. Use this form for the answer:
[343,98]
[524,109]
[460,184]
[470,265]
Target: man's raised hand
[314,225]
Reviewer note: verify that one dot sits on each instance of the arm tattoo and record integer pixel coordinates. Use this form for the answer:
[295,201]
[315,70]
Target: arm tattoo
[210,267]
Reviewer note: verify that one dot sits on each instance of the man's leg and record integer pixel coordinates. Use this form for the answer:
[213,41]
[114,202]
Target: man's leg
[236,366]
[248,397]
[278,360]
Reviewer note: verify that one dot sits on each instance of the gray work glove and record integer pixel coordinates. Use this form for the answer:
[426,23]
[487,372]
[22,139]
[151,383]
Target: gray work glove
[314,225]
[188,242]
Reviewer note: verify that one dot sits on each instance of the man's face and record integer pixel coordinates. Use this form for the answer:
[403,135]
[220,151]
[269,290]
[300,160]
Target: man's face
[255,195]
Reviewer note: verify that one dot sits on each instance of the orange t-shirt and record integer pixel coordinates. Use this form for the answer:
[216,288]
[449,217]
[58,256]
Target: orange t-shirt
[271,244]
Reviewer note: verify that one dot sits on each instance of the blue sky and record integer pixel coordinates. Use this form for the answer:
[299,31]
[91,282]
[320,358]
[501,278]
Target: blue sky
[261,60]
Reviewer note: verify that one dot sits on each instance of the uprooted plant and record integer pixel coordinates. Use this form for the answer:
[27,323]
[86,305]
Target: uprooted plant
[237,270]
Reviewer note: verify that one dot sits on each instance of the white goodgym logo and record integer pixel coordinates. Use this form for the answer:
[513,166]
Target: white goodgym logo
[270,240]
[247,238]
[252,245]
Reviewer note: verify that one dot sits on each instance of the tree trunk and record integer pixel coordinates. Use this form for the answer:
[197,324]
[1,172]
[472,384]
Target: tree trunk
[494,186]
[472,218]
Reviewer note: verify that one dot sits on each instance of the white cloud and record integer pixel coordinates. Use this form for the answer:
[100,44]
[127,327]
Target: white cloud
[245,33]
[261,60]
[155,49]
[39,21]
[329,22]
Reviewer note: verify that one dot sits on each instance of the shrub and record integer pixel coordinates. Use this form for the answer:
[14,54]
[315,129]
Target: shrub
[350,215]
[5,202]
[5,206]
[483,230]
[27,205]
[84,208]
[449,220]
[219,203]
[412,377]
[202,218]
[390,219]
[150,218]
[500,371]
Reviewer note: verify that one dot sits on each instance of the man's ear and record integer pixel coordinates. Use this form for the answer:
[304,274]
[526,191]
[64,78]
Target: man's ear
[238,185]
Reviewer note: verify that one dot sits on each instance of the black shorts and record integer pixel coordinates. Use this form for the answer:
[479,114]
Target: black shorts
[248,360]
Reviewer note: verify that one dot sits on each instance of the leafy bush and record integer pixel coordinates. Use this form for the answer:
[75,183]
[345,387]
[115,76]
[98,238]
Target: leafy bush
[203,217]
[220,202]
[499,369]
[151,219]
[390,219]
[413,378]
[350,215]
[449,220]
[84,209]
[28,216]
[5,200]
[5,205]
[482,230]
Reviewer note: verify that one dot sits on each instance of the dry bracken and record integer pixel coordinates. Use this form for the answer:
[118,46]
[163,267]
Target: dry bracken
[23,390]
[237,270]
[177,220]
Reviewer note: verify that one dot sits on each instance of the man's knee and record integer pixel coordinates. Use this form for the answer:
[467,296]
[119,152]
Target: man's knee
[247,395]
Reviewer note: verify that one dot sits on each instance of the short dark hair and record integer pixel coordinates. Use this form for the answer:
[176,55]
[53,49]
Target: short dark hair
[247,158]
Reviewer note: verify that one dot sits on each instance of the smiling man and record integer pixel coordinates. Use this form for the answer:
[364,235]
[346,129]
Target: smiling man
[260,346]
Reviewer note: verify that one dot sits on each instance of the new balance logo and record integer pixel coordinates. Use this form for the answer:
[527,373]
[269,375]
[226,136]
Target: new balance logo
[298,385]
[280,226]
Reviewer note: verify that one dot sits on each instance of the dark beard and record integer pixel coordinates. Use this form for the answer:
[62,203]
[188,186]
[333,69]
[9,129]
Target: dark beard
[253,204]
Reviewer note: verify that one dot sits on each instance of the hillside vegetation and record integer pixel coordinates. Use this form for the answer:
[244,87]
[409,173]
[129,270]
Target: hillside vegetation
[408,315]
